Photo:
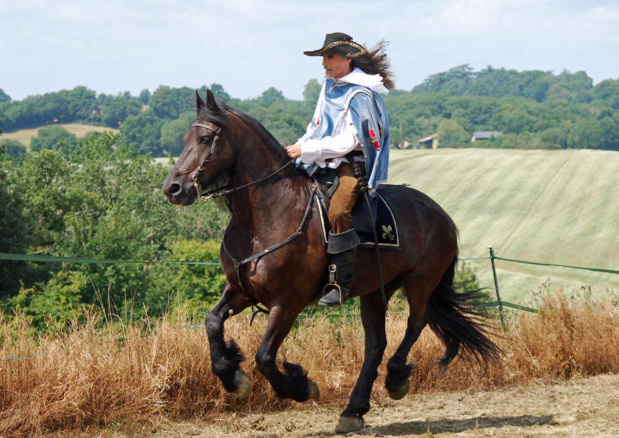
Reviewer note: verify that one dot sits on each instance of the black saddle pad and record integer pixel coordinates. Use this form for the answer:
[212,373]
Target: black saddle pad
[386,226]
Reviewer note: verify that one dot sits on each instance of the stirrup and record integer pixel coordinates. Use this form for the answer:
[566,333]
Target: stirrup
[333,298]
[327,298]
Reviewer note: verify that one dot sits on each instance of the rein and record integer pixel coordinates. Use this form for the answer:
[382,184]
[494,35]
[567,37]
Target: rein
[221,192]
[218,193]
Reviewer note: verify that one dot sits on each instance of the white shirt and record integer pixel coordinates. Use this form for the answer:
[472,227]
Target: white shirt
[345,138]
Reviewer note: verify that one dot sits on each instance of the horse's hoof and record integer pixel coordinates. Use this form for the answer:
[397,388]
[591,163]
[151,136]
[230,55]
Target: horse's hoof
[349,424]
[400,392]
[243,384]
[314,391]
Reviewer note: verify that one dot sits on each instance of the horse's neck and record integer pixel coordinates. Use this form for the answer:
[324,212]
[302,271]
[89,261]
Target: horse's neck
[272,204]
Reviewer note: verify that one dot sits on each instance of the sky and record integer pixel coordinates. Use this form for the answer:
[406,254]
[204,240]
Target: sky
[114,46]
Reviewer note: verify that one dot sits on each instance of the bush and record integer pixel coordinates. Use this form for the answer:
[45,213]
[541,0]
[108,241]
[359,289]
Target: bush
[12,148]
[52,137]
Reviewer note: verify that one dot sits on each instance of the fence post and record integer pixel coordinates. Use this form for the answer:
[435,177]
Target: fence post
[496,287]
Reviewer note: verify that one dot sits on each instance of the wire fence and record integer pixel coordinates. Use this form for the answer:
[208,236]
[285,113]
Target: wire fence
[492,257]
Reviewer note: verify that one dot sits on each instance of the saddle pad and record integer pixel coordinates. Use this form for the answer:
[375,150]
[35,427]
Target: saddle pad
[386,226]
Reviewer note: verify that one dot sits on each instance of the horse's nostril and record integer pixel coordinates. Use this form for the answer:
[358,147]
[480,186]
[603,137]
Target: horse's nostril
[173,189]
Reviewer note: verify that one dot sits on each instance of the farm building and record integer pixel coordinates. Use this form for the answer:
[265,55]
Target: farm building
[430,142]
[485,135]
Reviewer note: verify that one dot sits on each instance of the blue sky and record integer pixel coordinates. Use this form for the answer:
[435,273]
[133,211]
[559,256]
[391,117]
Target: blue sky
[247,46]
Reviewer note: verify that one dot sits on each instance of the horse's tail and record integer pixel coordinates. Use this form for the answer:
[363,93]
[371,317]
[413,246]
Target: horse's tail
[452,319]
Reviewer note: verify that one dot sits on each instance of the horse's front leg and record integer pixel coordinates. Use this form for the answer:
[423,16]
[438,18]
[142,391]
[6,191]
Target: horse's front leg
[225,359]
[373,319]
[293,383]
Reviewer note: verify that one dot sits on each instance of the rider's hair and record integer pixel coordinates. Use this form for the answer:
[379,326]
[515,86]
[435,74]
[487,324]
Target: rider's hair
[374,61]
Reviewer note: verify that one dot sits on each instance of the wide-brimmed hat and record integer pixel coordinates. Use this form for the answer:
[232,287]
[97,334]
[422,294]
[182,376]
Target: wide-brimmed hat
[338,43]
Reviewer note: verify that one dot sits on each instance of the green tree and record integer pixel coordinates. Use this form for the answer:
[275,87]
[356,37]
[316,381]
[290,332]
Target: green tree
[196,287]
[144,132]
[451,135]
[144,96]
[12,148]
[4,97]
[15,226]
[219,92]
[117,109]
[173,133]
[311,92]
[271,96]
[52,137]
[608,90]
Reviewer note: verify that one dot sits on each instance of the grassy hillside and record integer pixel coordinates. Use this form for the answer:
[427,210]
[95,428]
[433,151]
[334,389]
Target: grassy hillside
[25,135]
[546,206]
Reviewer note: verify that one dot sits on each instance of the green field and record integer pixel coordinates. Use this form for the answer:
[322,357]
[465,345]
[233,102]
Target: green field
[546,206]
[25,135]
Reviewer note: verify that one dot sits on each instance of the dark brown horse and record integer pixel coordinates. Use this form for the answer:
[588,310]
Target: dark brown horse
[270,205]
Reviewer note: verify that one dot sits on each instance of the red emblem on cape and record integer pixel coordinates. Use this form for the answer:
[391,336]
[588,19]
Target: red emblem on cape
[372,133]
[376,144]
[317,122]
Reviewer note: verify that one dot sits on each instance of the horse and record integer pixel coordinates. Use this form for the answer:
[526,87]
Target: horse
[273,254]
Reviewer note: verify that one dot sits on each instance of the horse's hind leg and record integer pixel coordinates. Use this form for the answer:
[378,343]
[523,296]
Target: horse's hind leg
[373,319]
[418,290]
[225,359]
[293,384]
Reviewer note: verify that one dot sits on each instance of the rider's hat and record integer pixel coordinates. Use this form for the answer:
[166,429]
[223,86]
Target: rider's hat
[338,43]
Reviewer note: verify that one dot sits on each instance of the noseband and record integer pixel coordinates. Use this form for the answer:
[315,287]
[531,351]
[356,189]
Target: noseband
[220,192]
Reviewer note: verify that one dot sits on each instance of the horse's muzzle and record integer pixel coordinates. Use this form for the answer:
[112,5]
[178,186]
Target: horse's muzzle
[178,194]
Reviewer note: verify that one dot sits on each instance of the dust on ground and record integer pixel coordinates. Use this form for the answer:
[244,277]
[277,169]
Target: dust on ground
[582,407]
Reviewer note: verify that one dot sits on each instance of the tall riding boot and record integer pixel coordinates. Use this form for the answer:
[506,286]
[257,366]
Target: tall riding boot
[343,247]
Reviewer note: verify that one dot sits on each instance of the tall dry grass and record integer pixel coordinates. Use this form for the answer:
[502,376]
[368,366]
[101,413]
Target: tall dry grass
[99,377]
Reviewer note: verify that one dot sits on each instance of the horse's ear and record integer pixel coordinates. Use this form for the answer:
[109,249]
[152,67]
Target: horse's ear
[210,102]
[199,102]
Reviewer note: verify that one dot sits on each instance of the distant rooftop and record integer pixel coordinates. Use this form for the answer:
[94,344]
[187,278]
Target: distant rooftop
[485,135]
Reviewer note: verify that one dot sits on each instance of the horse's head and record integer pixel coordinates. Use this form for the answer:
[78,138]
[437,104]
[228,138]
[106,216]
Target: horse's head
[207,156]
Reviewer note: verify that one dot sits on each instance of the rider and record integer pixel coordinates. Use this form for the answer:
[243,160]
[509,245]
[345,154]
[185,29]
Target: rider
[349,126]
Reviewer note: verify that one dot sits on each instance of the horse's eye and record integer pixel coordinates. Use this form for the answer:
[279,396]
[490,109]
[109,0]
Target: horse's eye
[205,139]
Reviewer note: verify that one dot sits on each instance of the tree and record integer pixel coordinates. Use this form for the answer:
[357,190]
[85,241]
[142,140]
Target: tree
[52,137]
[144,96]
[608,90]
[451,134]
[117,109]
[271,96]
[4,97]
[311,92]
[173,133]
[219,92]
[144,132]
[15,225]
[12,148]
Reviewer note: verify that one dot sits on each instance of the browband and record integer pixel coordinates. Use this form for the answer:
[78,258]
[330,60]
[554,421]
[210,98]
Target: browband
[213,128]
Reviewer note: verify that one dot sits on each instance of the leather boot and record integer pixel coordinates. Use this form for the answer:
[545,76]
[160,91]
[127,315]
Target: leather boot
[343,246]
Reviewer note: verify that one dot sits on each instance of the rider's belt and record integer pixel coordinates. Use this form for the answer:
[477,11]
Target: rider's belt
[350,157]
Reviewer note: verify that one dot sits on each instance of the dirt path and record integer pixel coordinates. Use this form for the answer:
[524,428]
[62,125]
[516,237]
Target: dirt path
[579,408]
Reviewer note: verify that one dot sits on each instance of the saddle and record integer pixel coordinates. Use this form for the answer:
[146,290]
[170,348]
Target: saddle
[386,225]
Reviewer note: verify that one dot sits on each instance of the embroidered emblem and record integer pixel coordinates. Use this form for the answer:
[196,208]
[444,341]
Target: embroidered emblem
[374,140]
[388,233]
[317,122]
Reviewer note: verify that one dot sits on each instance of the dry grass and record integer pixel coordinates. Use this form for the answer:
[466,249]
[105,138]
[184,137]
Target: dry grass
[103,377]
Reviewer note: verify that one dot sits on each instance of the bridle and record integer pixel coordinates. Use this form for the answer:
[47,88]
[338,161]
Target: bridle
[217,193]
[195,176]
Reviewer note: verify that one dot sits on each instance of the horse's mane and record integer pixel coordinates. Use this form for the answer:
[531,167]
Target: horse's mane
[220,118]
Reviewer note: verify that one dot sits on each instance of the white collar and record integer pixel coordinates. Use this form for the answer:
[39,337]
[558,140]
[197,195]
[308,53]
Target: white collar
[359,77]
